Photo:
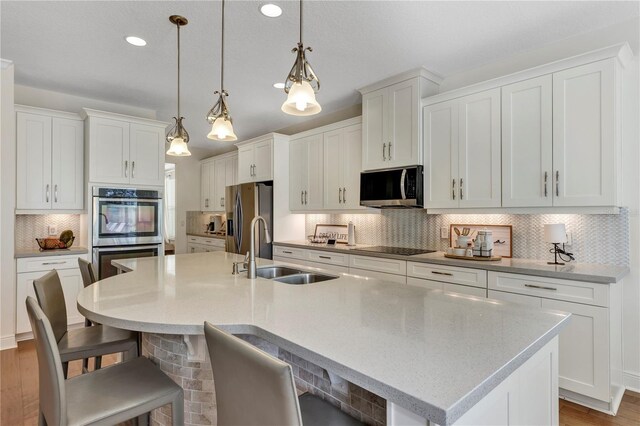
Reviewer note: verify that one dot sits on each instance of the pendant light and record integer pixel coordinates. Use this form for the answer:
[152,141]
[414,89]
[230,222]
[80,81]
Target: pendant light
[218,116]
[302,83]
[178,136]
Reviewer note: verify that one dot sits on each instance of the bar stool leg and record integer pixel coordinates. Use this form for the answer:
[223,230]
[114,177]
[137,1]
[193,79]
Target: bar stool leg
[41,420]
[143,420]
[97,363]
[65,369]
[177,410]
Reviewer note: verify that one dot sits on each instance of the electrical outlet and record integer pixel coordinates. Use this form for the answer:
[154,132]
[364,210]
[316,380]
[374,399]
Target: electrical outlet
[444,232]
[53,230]
[569,239]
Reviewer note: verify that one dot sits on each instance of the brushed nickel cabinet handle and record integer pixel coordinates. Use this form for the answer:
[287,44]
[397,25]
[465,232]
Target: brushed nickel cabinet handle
[126,168]
[325,257]
[340,195]
[461,190]
[453,188]
[287,252]
[133,169]
[47,193]
[545,183]
[344,195]
[206,202]
[442,273]
[305,197]
[389,156]
[55,193]
[540,287]
[557,183]
[54,263]
[384,155]
[301,197]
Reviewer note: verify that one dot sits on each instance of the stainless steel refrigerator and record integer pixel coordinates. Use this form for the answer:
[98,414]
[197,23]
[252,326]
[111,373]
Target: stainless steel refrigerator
[246,201]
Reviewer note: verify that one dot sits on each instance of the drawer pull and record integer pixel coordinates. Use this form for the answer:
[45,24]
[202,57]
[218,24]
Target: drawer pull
[287,252]
[325,257]
[540,287]
[54,263]
[442,273]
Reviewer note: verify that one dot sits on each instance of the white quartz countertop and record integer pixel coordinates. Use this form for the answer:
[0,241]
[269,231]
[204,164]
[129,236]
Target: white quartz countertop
[436,354]
[589,272]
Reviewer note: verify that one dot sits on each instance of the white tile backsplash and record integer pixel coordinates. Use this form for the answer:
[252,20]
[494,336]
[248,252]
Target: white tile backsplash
[29,227]
[597,238]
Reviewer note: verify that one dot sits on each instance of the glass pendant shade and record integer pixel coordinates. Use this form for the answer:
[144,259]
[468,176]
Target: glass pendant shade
[222,130]
[178,137]
[301,100]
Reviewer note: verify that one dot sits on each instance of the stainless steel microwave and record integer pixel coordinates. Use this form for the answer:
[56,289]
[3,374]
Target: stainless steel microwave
[393,188]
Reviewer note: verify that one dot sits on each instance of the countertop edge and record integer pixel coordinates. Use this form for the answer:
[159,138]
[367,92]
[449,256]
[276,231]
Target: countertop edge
[21,254]
[487,266]
[203,235]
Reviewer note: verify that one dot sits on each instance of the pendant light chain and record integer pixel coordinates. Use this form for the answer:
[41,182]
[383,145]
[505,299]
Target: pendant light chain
[301,22]
[178,70]
[222,52]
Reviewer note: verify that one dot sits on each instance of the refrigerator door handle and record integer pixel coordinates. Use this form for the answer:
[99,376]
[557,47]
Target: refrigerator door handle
[237,223]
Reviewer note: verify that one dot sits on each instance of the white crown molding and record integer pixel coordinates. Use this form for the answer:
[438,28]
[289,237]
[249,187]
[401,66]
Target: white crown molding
[219,156]
[418,72]
[5,63]
[273,136]
[87,112]
[47,112]
[620,51]
[328,127]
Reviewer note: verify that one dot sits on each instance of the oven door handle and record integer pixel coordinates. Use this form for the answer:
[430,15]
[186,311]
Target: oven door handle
[133,200]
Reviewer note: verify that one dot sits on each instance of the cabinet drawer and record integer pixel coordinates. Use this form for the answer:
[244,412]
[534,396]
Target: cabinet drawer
[35,264]
[216,242]
[328,257]
[293,253]
[430,284]
[449,274]
[337,269]
[520,299]
[551,288]
[378,264]
[400,279]
[289,260]
[446,287]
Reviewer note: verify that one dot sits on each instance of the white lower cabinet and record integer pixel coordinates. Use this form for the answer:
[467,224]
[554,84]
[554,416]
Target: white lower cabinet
[590,345]
[204,245]
[30,269]
[447,287]
[394,278]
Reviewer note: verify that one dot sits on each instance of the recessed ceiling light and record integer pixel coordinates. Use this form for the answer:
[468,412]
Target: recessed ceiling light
[136,41]
[278,85]
[271,10]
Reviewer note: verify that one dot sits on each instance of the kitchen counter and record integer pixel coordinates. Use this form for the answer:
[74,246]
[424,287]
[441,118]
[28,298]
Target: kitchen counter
[576,271]
[435,354]
[57,252]
[207,235]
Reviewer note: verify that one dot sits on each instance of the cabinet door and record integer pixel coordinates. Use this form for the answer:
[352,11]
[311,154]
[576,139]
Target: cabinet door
[67,166]
[205,199]
[441,155]
[351,166]
[479,150]
[245,164]
[109,151]
[232,171]
[33,171]
[584,349]
[584,140]
[403,145]
[374,129]
[314,196]
[24,288]
[334,150]
[298,154]
[527,143]
[219,182]
[146,154]
[263,161]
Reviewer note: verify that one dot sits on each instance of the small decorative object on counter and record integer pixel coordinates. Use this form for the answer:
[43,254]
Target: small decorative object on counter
[63,242]
[336,232]
[483,245]
[351,231]
[556,234]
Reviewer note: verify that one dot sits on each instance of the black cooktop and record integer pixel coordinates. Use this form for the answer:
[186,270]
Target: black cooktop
[402,251]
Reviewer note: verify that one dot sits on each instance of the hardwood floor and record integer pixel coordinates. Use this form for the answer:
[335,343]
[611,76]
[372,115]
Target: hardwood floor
[19,394]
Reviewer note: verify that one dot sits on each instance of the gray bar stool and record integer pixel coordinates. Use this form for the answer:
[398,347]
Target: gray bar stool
[80,343]
[254,388]
[88,278]
[104,397]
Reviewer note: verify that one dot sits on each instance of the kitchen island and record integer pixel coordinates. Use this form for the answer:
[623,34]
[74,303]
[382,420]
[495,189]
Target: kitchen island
[433,356]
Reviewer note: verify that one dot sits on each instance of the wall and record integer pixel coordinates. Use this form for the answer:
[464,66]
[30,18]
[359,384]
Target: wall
[7,207]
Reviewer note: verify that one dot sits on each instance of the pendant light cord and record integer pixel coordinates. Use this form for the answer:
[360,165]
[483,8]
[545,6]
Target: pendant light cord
[222,52]
[178,25]
[300,21]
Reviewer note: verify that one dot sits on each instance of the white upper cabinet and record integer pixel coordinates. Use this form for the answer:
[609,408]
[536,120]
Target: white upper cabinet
[342,155]
[125,150]
[216,174]
[306,173]
[255,159]
[391,122]
[584,135]
[527,143]
[462,152]
[50,160]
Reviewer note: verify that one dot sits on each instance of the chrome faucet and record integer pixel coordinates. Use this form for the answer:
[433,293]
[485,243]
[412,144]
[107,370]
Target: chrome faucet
[251,264]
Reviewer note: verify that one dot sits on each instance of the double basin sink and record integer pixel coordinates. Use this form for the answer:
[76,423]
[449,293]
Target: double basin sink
[286,275]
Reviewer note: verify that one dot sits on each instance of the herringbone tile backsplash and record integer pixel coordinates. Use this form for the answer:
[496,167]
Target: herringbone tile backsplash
[29,227]
[597,238]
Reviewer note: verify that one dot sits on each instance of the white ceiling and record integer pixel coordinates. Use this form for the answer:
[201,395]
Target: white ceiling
[78,47]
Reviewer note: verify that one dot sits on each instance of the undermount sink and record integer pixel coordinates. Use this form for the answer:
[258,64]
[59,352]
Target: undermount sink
[270,272]
[305,278]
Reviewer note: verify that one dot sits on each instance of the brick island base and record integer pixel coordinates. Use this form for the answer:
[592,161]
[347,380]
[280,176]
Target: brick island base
[170,353]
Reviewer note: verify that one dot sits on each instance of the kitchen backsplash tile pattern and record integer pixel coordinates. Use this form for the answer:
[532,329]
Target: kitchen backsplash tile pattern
[198,221]
[597,238]
[29,227]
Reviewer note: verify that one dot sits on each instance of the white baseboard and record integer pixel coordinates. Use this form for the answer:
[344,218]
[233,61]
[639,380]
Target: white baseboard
[8,342]
[632,381]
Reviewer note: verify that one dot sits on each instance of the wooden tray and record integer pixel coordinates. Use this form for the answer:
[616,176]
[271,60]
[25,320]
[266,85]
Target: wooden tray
[486,259]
